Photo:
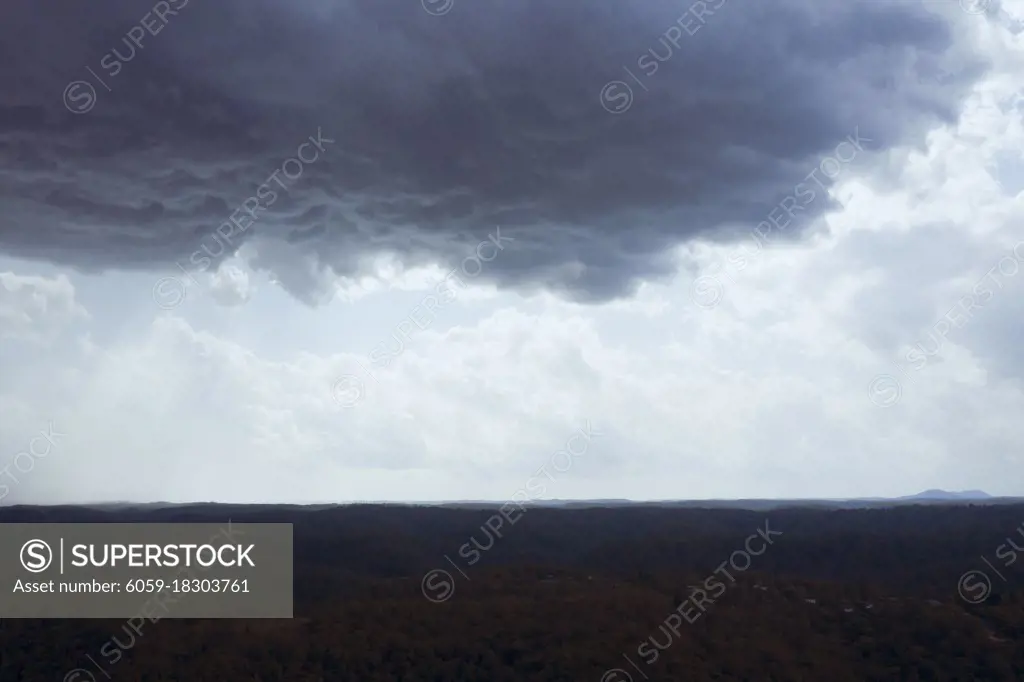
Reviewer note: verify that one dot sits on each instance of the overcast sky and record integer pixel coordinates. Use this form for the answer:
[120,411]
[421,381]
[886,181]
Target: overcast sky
[339,250]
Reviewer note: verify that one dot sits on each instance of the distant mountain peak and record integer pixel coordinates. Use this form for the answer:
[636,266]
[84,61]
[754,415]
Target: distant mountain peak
[936,494]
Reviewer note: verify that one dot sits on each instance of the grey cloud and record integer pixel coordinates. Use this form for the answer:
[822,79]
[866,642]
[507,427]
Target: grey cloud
[445,126]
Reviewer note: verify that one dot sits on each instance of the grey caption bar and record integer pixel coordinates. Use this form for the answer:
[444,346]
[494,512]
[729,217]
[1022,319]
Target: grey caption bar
[127,570]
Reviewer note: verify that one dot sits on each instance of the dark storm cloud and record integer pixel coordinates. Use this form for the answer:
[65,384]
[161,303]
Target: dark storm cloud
[444,126]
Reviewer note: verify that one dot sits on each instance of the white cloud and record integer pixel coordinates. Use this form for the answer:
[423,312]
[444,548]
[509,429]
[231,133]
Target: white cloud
[230,286]
[37,308]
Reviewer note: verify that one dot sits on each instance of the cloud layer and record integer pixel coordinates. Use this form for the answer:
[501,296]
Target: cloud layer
[597,134]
